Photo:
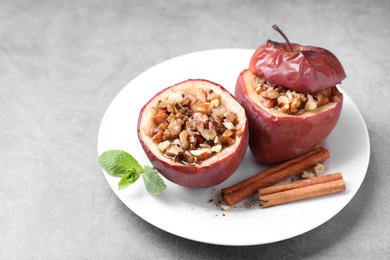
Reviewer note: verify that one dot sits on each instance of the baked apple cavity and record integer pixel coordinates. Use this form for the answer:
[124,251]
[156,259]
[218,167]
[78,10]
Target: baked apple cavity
[194,133]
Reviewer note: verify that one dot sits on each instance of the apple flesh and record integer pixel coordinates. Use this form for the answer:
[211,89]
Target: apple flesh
[276,136]
[305,69]
[208,172]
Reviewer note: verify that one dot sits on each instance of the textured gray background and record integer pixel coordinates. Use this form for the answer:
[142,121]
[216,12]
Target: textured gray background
[61,64]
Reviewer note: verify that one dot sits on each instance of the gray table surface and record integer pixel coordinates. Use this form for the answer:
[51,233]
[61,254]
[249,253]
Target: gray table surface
[62,63]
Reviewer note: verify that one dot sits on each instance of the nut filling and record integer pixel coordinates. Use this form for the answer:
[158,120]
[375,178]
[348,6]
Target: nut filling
[289,101]
[192,126]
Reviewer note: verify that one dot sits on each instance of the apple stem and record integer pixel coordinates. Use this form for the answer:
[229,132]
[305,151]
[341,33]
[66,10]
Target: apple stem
[276,28]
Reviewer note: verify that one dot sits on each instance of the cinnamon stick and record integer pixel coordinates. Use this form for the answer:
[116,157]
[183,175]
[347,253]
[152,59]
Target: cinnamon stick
[300,190]
[250,186]
[300,183]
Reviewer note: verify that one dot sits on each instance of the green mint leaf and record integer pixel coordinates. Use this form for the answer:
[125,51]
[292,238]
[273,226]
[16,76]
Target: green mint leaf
[117,162]
[153,182]
[128,179]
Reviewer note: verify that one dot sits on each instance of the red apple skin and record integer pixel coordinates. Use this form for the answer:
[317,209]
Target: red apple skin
[198,176]
[306,69]
[274,139]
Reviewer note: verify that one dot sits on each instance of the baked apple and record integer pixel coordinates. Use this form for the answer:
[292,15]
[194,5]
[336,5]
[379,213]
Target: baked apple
[195,133]
[290,95]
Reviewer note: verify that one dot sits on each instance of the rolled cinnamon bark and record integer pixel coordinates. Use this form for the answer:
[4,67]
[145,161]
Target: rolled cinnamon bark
[300,190]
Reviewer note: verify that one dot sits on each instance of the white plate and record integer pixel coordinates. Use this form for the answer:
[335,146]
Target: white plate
[188,212]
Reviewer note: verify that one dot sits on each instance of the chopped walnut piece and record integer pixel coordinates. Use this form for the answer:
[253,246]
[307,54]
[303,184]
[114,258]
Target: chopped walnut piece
[204,145]
[270,93]
[175,128]
[214,102]
[311,104]
[218,123]
[183,136]
[216,148]
[313,171]
[208,134]
[170,108]
[227,141]
[173,150]
[161,115]
[158,137]
[228,132]
[229,125]
[200,118]
[231,117]
[318,168]
[164,145]
[188,157]
[201,153]
[167,134]
[217,140]
[225,207]
[308,175]
[201,95]
[175,97]
[270,103]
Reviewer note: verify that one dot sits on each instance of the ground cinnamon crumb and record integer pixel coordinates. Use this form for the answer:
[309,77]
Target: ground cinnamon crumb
[248,205]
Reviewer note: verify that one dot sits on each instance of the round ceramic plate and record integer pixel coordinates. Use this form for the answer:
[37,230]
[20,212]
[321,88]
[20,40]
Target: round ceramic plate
[196,214]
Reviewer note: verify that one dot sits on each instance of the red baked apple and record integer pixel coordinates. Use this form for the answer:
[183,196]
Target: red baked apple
[195,133]
[289,93]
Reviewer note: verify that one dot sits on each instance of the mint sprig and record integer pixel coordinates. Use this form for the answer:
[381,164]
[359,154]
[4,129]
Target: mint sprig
[121,164]
[128,178]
